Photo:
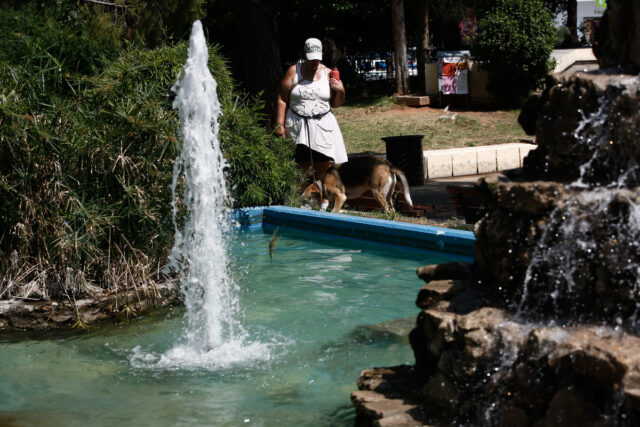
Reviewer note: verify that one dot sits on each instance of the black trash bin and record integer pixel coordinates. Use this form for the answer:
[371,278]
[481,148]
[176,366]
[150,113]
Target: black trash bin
[405,152]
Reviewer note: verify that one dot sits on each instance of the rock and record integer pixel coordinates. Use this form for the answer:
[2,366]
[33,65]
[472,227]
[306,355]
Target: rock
[529,113]
[532,199]
[608,103]
[374,409]
[434,292]
[538,220]
[618,36]
[520,368]
[389,381]
[444,271]
[442,392]
[513,416]
[385,397]
[27,315]
[405,419]
[569,407]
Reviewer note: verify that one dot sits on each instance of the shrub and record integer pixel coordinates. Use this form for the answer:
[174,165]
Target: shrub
[514,42]
[86,159]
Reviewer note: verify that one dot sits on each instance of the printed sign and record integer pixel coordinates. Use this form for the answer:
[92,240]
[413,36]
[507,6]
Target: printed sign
[599,7]
[453,72]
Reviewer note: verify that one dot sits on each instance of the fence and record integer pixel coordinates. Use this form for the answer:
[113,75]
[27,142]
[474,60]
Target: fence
[377,67]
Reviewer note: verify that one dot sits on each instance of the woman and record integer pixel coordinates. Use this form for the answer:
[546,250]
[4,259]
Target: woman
[310,92]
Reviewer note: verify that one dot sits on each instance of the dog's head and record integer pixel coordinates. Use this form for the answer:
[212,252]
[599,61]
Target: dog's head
[314,195]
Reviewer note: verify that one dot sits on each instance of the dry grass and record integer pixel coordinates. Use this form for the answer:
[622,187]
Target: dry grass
[453,222]
[365,122]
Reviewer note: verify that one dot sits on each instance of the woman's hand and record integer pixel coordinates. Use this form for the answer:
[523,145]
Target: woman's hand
[337,92]
[279,130]
[336,85]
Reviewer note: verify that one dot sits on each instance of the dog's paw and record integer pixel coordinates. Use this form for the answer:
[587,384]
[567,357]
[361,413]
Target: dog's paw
[324,205]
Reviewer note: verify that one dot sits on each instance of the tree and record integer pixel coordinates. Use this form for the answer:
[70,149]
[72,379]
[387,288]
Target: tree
[515,40]
[261,68]
[422,45]
[400,47]
[572,18]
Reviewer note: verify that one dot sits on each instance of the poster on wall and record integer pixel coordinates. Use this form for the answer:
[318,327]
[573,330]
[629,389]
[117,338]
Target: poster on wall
[453,72]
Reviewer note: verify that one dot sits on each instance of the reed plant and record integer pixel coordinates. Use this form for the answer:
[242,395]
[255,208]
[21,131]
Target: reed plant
[87,143]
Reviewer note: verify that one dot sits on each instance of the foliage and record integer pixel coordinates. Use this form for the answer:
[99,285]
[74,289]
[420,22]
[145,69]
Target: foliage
[86,156]
[83,38]
[515,40]
[158,21]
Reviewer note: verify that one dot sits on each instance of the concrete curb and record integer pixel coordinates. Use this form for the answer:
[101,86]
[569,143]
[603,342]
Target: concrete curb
[474,160]
[567,59]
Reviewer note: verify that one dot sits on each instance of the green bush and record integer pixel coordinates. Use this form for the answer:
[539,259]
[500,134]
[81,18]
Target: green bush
[514,43]
[86,158]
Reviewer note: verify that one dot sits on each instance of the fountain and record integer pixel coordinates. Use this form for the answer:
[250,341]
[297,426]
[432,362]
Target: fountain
[543,328]
[214,335]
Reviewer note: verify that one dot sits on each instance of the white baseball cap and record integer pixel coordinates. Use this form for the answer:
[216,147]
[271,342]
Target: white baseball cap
[313,49]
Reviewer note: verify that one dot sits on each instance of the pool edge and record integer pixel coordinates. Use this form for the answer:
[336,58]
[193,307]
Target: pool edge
[404,234]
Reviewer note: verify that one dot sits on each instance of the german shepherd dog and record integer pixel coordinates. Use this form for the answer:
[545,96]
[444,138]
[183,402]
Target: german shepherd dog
[350,180]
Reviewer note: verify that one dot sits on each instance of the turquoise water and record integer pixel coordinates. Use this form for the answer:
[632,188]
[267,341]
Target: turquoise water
[322,310]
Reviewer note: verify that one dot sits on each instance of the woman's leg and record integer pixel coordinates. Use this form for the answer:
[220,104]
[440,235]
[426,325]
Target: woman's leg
[320,164]
[320,168]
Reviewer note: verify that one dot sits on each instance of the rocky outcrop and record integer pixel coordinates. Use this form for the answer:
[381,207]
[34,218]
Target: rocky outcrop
[560,251]
[490,368]
[585,119]
[386,397]
[542,330]
[618,36]
[20,314]
[486,366]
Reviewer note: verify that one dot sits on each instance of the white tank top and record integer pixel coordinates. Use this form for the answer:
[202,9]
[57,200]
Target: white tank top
[309,99]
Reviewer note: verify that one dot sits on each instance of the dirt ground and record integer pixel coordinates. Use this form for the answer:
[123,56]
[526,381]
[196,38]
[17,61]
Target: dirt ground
[433,113]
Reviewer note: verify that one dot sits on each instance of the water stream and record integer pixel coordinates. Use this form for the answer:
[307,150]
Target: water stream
[591,239]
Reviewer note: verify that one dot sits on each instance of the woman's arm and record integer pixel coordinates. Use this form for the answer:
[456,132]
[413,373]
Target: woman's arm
[280,114]
[283,99]
[337,92]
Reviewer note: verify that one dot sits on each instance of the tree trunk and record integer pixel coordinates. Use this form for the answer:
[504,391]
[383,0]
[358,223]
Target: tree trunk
[572,19]
[422,49]
[261,69]
[400,47]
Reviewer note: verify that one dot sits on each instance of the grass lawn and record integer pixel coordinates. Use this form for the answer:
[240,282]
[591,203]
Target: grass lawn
[364,121]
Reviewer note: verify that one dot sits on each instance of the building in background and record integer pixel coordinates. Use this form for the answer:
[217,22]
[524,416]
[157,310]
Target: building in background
[589,13]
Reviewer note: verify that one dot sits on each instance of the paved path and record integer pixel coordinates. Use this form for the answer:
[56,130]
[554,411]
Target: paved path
[434,192]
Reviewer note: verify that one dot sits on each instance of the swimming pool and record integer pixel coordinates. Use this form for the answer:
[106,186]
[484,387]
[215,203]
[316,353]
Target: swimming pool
[323,308]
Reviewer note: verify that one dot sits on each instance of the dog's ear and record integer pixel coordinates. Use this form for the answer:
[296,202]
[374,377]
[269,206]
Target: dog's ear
[312,190]
[312,187]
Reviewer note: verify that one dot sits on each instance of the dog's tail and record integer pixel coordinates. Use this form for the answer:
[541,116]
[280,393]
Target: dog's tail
[405,184]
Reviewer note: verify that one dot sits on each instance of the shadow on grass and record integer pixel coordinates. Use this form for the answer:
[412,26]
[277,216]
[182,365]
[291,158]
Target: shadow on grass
[368,101]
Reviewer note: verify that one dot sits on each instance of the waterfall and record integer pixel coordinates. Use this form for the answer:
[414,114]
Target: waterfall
[589,243]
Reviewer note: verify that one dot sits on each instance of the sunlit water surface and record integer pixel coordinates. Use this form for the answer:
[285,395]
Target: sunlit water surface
[319,312]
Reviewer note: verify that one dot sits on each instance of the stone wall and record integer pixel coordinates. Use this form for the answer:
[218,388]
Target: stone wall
[83,312]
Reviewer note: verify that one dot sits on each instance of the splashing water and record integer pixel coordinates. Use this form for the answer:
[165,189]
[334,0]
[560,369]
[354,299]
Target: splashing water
[590,243]
[214,336]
